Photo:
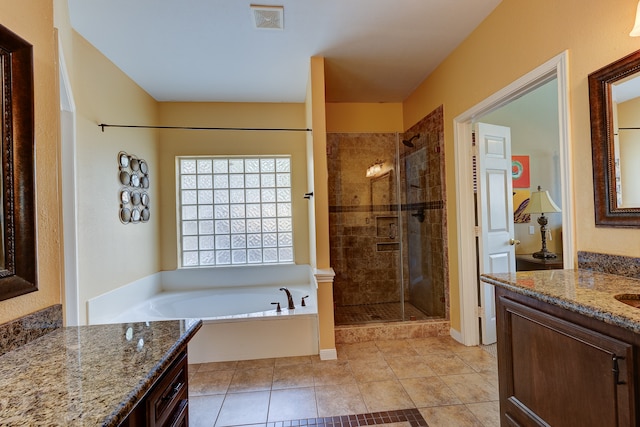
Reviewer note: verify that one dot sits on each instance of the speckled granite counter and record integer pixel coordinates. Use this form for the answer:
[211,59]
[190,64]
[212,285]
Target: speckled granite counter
[88,375]
[582,291]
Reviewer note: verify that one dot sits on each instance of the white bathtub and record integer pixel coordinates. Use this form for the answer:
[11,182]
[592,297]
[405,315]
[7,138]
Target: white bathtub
[239,321]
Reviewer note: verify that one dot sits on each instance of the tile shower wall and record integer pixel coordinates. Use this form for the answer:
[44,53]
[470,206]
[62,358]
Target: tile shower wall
[363,219]
[424,216]
[364,224]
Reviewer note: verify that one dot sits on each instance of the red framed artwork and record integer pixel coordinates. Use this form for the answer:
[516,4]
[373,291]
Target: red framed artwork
[520,171]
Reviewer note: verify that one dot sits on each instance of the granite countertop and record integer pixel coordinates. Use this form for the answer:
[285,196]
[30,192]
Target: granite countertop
[87,375]
[582,291]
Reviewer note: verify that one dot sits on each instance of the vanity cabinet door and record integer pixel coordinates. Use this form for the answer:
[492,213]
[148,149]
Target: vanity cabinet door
[553,372]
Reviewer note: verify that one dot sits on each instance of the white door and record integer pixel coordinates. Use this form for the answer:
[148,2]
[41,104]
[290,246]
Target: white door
[495,216]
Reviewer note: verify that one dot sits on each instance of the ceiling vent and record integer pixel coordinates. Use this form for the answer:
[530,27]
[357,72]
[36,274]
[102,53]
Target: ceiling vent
[267,17]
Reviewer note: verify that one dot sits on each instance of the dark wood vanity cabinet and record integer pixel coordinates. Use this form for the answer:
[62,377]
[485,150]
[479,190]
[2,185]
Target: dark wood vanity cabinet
[559,368]
[167,402]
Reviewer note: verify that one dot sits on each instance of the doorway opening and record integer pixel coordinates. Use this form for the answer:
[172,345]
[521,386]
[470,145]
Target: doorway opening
[555,68]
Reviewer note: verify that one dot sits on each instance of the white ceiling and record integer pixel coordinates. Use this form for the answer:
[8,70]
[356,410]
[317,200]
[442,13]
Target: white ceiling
[209,50]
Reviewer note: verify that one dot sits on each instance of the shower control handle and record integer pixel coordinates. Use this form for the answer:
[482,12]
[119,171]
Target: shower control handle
[278,309]
[303,303]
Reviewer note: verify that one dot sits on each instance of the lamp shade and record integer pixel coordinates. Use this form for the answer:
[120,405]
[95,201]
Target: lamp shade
[636,27]
[540,202]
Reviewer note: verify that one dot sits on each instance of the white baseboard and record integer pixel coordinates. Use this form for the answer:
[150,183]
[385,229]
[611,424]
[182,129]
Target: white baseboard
[328,354]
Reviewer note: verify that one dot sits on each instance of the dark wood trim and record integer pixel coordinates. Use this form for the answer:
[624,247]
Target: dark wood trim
[606,211]
[18,275]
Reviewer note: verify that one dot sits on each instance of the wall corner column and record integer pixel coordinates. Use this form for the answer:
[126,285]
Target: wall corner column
[324,284]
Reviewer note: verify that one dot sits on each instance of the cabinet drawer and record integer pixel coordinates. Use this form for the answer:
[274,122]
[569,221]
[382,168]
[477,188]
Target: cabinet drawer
[168,399]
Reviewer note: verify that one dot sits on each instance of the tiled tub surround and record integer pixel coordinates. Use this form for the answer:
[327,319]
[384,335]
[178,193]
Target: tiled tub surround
[585,292]
[20,331]
[87,375]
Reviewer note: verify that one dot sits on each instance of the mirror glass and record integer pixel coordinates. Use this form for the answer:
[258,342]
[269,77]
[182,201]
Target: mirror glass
[625,103]
[614,101]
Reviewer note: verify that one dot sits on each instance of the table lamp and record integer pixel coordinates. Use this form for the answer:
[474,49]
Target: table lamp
[541,203]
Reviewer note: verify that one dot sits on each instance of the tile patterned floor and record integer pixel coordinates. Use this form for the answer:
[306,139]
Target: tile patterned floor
[368,313]
[447,383]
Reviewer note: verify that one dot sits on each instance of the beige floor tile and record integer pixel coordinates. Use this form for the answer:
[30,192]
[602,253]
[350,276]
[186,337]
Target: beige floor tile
[447,364]
[292,376]
[478,359]
[203,410]
[428,392]
[487,412]
[385,396]
[471,388]
[371,370]
[215,366]
[234,409]
[450,416]
[361,350]
[251,380]
[410,367]
[256,363]
[294,360]
[332,372]
[292,404]
[433,345]
[336,400]
[211,382]
[396,348]
[491,377]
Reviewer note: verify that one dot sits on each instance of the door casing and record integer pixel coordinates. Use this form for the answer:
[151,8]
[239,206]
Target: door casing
[556,67]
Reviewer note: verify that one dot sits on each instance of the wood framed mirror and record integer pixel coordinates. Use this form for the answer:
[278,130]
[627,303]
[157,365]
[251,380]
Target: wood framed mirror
[18,268]
[614,99]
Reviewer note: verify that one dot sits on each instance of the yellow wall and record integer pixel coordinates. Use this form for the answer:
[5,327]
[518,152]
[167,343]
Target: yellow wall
[516,38]
[316,113]
[110,253]
[174,143]
[33,21]
[364,117]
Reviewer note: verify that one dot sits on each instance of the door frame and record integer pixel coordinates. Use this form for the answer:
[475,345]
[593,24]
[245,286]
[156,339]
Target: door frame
[68,188]
[556,67]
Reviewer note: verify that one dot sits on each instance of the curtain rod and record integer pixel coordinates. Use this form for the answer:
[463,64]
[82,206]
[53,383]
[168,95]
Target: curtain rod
[104,125]
[628,128]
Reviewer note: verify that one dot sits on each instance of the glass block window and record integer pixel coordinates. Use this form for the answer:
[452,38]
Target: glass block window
[235,210]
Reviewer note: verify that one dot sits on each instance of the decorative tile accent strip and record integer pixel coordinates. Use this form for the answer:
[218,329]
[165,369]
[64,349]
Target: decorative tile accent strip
[412,416]
[611,264]
[432,205]
[20,331]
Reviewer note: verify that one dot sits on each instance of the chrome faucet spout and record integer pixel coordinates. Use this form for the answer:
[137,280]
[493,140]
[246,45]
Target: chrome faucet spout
[289,299]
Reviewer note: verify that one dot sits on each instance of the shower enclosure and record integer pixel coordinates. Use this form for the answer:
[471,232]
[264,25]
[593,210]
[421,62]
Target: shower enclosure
[388,225]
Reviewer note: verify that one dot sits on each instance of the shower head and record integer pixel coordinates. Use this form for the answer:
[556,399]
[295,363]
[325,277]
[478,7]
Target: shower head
[408,142]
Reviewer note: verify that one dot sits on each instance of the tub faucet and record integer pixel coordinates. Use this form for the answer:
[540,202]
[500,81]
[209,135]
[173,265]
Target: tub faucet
[289,299]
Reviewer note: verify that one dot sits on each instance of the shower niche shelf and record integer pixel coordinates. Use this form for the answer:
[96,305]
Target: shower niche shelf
[387,247]
[387,227]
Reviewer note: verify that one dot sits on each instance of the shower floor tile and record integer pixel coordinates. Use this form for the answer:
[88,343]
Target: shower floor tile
[370,313]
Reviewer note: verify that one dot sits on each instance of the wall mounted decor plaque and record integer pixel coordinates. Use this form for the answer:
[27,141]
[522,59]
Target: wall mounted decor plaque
[133,176]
